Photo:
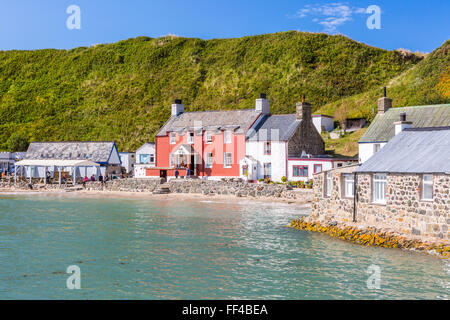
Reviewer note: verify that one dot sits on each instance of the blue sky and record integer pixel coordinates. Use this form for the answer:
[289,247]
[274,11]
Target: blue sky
[417,25]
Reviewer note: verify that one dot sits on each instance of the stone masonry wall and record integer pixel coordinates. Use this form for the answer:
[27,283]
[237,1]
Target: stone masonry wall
[404,212]
[239,189]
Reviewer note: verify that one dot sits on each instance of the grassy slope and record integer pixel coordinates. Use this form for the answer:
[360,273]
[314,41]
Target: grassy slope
[123,91]
[428,82]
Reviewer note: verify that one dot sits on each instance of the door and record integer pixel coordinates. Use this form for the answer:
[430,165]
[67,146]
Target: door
[163,174]
[192,165]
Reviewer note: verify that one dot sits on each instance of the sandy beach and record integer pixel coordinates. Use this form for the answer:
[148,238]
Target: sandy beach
[148,195]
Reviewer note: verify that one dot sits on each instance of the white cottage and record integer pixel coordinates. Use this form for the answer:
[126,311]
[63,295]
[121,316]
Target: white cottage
[128,159]
[145,158]
[274,138]
[323,122]
[390,121]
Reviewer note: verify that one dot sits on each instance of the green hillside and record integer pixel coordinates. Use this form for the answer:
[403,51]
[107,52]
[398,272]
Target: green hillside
[428,82]
[123,91]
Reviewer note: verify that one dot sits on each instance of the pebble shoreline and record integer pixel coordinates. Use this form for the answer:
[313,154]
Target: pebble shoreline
[372,237]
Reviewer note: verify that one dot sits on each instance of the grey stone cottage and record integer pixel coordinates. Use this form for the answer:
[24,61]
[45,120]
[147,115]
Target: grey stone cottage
[405,186]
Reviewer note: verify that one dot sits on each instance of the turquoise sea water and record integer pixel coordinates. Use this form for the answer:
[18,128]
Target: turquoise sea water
[148,249]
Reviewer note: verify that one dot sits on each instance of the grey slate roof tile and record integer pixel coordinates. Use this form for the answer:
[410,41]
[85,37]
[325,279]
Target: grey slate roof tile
[420,150]
[238,120]
[74,150]
[382,127]
[275,128]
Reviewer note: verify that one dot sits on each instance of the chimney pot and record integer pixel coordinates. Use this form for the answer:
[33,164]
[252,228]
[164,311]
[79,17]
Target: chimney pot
[403,116]
[262,96]
[384,103]
[384,92]
[178,101]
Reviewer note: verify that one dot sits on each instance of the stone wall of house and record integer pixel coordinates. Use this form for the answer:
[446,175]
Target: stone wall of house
[404,212]
[306,138]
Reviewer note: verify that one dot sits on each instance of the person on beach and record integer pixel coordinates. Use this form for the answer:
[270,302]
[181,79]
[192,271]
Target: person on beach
[86,179]
[47,176]
[100,178]
[92,178]
[176,174]
[64,179]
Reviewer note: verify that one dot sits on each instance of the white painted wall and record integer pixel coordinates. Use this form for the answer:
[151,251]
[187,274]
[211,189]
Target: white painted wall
[366,150]
[326,165]
[128,160]
[139,168]
[114,157]
[320,122]
[277,158]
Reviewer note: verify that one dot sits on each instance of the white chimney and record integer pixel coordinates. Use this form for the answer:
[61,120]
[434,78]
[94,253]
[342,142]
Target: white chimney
[402,124]
[262,104]
[177,108]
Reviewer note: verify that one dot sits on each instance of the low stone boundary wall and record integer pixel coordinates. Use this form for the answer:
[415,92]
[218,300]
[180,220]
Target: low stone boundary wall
[196,186]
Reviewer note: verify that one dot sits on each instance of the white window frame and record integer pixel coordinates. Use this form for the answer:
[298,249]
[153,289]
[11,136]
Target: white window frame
[269,165]
[427,182]
[208,136]
[173,138]
[349,185]
[190,139]
[267,148]
[209,160]
[328,184]
[171,160]
[379,183]
[230,157]
[376,147]
[227,136]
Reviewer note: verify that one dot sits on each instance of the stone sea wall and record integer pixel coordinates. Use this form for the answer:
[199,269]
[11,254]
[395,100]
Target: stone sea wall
[372,236]
[196,186]
[404,211]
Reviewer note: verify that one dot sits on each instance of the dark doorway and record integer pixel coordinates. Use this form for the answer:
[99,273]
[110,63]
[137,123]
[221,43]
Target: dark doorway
[192,165]
[163,174]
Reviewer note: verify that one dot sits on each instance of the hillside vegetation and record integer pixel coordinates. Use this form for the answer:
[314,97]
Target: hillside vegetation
[428,82]
[123,91]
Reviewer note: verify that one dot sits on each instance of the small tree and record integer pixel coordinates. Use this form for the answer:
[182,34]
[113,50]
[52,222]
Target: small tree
[17,142]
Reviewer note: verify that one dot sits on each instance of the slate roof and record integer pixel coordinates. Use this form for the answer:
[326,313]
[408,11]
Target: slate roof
[74,150]
[415,150]
[275,128]
[237,120]
[4,155]
[382,127]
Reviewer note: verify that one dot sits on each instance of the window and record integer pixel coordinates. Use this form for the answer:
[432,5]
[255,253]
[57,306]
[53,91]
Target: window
[152,158]
[379,188]
[208,136]
[349,185]
[144,158]
[427,187]
[267,170]
[317,168]
[328,184]
[376,147]
[171,160]
[173,138]
[190,137]
[208,160]
[300,171]
[228,159]
[227,136]
[267,148]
